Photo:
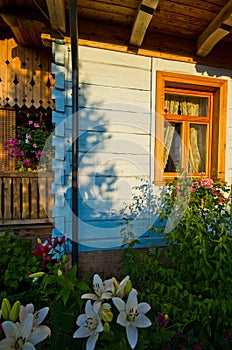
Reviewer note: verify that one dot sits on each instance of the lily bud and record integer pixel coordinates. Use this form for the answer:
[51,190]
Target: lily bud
[115,283]
[36,274]
[59,273]
[106,313]
[14,313]
[106,327]
[6,308]
[128,288]
[39,241]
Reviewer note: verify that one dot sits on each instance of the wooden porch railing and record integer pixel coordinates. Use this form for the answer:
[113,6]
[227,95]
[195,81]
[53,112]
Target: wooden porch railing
[25,198]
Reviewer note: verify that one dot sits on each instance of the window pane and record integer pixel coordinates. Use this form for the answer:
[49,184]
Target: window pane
[186,105]
[197,148]
[172,146]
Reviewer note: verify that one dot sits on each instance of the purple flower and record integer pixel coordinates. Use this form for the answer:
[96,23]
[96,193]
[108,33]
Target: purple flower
[22,154]
[26,161]
[161,320]
[19,135]
[196,347]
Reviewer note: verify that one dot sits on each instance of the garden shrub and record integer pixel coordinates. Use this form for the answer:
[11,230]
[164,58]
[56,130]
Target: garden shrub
[16,261]
[189,282]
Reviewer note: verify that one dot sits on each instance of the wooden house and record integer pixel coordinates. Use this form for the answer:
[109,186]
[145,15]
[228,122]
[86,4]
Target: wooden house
[140,86]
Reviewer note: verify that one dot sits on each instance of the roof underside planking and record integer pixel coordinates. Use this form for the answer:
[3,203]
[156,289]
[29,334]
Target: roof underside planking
[196,31]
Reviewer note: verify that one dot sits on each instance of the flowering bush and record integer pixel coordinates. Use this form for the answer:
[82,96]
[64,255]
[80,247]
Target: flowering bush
[131,314]
[27,331]
[27,147]
[189,279]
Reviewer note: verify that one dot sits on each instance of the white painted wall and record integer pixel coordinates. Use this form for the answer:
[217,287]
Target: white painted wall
[116,137]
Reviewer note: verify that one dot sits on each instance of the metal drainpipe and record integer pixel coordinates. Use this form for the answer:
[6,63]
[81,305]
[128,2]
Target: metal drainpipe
[75,84]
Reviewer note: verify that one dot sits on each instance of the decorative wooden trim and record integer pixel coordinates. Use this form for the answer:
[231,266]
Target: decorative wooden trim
[142,20]
[56,10]
[220,26]
[219,88]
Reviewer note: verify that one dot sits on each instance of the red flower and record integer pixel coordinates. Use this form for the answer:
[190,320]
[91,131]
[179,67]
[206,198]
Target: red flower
[43,251]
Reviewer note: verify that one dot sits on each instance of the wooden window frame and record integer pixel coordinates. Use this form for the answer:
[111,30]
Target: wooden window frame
[218,90]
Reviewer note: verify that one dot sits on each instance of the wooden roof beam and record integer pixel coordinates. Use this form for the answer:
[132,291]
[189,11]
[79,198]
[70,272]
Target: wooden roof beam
[220,26]
[142,20]
[56,10]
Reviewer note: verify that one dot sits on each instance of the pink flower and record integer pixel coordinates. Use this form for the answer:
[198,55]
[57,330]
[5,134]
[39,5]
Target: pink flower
[192,189]
[36,125]
[19,135]
[30,122]
[34,145]
[195,184]
[26,161]
[214,192]
[206,182]
[178,187]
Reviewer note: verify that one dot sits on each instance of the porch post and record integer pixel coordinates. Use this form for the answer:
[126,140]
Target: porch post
[75,83]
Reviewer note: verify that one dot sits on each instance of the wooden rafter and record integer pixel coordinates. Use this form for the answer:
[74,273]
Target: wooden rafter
[220,26]
[56,10]
[142,20]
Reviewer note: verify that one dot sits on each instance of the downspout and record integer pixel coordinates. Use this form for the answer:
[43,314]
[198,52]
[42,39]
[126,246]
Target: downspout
[75,151]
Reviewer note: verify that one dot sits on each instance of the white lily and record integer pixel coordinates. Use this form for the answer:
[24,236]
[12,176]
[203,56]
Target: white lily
[90,325]
[38,316]
[102,289]
[132,316]
[21,336]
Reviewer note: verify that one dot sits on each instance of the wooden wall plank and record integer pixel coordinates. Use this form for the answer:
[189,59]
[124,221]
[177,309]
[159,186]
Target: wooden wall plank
[1,196]
[34,198]
[16,198]
[25,198]
[7,195]
[42,198]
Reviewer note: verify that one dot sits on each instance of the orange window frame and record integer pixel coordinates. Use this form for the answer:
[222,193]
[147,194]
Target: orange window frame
[216,91]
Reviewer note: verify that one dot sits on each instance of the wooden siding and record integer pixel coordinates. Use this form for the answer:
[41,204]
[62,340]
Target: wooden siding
[25,198]
[116,139]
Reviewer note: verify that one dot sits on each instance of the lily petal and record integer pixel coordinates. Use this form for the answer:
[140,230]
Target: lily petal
[28,346]
[38,334]
[98,284]
[132,301]
[40,315]
[142,321]
[25,327]
[9,328]
[7,343]
[25,310]
[132,336]
[122,319]
[119,303]
[82,332]
[89,296]
[81,319]
[143,308]
[90,345]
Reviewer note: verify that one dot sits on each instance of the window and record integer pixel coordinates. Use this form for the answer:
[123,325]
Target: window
[190,126]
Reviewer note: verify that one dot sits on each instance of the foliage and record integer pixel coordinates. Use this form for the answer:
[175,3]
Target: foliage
[187,282]
[16,261]
[27,147]
[190,279]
